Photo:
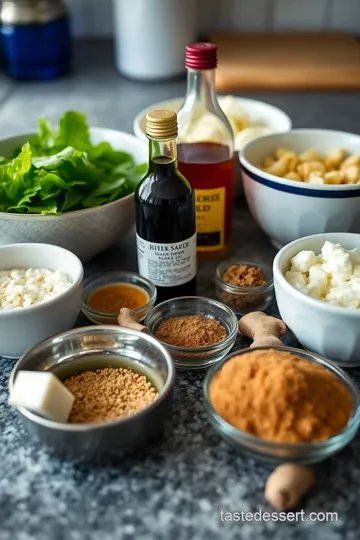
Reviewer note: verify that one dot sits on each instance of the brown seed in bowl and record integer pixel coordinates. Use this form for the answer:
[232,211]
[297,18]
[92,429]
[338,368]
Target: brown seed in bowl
[108,394]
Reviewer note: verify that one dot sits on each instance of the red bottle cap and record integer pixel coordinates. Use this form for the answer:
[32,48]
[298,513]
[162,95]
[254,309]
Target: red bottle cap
[201,56]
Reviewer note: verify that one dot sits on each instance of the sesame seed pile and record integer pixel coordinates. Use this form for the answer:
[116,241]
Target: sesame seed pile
[108,394]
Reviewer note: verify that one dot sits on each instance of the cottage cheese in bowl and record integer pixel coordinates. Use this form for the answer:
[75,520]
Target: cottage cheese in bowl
[41,289]
[21,288]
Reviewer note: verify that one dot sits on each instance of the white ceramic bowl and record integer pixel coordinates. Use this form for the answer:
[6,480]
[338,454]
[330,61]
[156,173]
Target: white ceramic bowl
[273,117]
[84,232]
[331,331]
[286,209]
[22,328]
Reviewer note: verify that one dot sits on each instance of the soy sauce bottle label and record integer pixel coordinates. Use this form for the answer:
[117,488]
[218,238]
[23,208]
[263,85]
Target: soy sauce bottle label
[210,218]
[167,265]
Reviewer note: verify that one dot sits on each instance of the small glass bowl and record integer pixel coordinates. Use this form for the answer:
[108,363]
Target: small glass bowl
[200,357]
[274,452]
[244,299]
[130,278]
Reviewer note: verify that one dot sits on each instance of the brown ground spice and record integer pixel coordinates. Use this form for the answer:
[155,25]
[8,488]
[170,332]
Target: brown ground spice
[242,275]
[280,397]
[191,331]
[108,394]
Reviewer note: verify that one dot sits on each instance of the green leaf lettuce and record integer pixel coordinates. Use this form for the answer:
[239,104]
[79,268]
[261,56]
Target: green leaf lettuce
[60,171]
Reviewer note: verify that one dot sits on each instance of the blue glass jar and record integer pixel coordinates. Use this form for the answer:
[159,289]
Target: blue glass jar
[35,38]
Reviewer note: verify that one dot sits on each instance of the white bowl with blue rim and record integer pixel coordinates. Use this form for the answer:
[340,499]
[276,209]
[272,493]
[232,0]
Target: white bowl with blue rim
[286,209]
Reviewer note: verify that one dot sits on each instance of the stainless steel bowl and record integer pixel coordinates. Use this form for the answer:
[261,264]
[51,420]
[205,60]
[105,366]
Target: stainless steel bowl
[78,350]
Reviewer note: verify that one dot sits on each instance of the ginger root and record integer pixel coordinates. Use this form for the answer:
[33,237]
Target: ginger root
[264,330]
[287,484]
[127,318]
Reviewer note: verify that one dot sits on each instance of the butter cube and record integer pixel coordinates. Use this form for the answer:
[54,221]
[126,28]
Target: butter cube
[42,393]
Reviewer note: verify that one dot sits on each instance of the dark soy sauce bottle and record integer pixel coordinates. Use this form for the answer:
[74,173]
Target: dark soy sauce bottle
[165,214]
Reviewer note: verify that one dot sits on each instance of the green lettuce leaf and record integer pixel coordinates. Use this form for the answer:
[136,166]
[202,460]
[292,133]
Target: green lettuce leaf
[53,162]
[60,170]
[73,131]
[46,135]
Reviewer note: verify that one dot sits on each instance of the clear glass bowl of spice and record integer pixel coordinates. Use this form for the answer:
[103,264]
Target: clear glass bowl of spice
[106,295]
[197,331]
[282,404]
[244,286]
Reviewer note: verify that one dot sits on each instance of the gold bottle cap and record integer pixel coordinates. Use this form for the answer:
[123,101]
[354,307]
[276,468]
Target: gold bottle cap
[161,125]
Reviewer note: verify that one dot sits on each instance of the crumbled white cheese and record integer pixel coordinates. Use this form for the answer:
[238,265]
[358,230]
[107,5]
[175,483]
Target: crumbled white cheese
[24,288]
[333,276]
[303,261]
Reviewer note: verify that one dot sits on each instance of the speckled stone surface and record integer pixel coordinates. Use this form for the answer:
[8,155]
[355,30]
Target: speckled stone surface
[177,487]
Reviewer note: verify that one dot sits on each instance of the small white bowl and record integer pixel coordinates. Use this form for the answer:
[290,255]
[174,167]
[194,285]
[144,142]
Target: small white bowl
[271,116]
[22,328]
[286,209]
[331,331]
[85,232]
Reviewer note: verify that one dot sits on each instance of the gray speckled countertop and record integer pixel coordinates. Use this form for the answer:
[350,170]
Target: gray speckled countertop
[176,488]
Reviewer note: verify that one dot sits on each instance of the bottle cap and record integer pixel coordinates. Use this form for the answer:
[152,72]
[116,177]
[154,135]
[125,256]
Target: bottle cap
[161,124]
[201,56]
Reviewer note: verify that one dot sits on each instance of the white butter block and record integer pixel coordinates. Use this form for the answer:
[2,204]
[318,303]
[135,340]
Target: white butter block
[42,393]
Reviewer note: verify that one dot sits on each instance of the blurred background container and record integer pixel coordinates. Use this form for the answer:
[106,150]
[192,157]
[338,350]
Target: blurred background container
[35,38]
[151,35]
[95,17]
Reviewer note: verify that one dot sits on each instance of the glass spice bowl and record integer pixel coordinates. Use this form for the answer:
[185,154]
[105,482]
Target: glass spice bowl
[275,452]
[243,300]
[200,357]
[128,278]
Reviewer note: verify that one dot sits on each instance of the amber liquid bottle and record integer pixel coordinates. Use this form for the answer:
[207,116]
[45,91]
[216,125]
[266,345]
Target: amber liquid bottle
[206,152]
[165,214]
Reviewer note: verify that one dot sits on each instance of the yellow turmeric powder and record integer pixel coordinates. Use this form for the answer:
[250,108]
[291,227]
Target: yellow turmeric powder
[280,397]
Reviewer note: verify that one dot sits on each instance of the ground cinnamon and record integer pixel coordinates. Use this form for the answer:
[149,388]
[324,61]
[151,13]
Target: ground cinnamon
[243,275]
[280,397]
[191,331]
[248,277]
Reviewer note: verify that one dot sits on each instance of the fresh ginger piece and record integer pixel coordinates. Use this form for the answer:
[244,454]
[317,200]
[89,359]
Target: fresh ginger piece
[288,484]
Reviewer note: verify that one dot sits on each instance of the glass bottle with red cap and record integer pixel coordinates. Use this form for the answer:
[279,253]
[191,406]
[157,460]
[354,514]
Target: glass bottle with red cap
[206,152]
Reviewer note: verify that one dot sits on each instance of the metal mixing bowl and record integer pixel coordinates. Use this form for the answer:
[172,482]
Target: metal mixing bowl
[79,350]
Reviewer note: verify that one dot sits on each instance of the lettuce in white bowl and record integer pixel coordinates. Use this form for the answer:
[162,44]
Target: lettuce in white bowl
[59,170]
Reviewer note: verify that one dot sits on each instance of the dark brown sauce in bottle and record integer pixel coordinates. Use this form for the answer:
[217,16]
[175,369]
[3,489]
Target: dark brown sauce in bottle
[165,224]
